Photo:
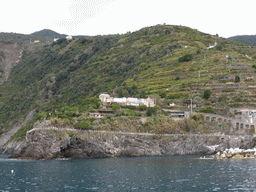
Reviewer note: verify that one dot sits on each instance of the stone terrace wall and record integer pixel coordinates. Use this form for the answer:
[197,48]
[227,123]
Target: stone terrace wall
[239,125]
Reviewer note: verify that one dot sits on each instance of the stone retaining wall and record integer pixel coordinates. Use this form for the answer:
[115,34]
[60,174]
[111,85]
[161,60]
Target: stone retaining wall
[240,125]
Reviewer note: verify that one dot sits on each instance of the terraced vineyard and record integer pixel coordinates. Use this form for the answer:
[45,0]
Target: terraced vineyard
[168,61]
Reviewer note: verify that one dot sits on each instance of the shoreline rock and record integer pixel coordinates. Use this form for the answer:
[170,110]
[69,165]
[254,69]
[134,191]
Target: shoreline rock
[54,144]
[246,149]
[236,153]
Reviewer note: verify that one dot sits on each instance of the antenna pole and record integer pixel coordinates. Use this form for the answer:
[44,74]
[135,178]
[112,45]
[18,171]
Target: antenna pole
[191,106]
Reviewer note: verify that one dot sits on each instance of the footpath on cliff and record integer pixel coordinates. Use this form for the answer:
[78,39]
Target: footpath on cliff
[52,143]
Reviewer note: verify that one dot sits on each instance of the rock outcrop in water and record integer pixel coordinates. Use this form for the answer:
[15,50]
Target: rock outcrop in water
[51,144]
[245,150]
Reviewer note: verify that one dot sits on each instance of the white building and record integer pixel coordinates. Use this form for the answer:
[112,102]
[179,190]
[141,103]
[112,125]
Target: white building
[212,46]
[69,37]
[106,99]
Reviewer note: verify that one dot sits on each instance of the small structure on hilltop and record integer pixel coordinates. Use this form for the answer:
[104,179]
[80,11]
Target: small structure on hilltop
[95,115]
[55,39]
[106,99]
[36,41]
[69,37]
[212,46]
[177,114]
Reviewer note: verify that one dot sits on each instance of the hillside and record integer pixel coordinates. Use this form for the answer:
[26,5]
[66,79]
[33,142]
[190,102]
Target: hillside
[246,39]
[46,35]
[168,61]
[10,38]
[42,35]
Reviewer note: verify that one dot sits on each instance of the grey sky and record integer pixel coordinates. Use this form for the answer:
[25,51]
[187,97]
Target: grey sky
[99,17]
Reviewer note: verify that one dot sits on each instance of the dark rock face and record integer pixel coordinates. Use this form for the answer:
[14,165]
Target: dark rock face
[248,144]
[80,149]
[51,144]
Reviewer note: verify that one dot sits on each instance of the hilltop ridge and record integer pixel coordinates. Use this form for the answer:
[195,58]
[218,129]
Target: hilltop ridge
[42,35]
[47,35]
[246,39]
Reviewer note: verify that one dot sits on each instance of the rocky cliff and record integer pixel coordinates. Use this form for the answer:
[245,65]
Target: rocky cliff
[10,55]
[52,143]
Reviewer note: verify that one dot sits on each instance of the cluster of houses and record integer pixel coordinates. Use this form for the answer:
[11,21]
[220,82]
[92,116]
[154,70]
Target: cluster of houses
[69,37]
[106,99]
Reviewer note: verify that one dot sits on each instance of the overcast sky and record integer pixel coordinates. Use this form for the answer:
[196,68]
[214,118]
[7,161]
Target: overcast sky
[99,17]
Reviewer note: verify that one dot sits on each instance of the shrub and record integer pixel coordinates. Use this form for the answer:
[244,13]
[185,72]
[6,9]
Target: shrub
[71,133]
[237,79]
[222,98]
[218,47]
[151,111]
[142,107]
[115,107]
[41,116]
[130,107]
[174,96]
[137,114]
[237,99]
[207,94]
[185,58]
[70,114]
[207,110]
[163,94]
[66,108]
[194,117]
[82,125]
[62,115]
[228,90]
[96,104]
[224,81]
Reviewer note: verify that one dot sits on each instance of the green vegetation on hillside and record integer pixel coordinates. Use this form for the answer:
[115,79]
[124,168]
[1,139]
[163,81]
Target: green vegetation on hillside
[246,39]
[43,36]
[167,61]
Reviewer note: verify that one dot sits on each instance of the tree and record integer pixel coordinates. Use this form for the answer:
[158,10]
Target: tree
[162,94]
[82,125]
[207,94]
[41,116]
[151,111]
[237,79]
[185,58]
[218,47]
[116,107]
[96,104]
[142,107]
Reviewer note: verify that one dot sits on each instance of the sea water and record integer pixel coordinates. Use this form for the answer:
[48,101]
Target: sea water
[178,173]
